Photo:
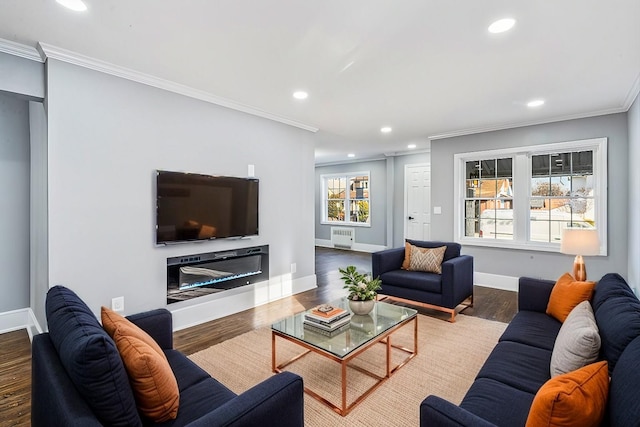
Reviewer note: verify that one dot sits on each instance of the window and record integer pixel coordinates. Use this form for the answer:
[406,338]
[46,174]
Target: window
[346,198]
[523,198]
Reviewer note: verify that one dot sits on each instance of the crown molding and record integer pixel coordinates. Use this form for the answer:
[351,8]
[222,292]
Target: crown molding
[483,129]
[21,50]
[48,51]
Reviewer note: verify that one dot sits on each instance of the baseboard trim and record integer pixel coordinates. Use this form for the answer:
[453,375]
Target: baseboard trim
[496,281]
[23,318]
[357,247]
[245,298]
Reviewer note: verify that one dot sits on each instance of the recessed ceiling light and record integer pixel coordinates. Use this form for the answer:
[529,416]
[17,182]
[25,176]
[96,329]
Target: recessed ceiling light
[535,103]
[77,5]
[502,25]
[385,129]
[351,155]
[411,146]
[300,94]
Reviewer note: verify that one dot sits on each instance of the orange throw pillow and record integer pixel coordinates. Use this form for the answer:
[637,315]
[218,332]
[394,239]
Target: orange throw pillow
[577,398]
[152,380]
[407,256]
[566,294]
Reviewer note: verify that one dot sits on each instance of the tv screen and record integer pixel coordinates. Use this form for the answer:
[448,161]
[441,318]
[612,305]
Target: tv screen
[203,207]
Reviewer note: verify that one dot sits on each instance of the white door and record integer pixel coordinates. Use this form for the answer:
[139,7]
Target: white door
[417,180]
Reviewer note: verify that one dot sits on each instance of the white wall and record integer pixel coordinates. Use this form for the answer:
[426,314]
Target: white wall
[634,195]
[108,135]
[515,263]
[14,203]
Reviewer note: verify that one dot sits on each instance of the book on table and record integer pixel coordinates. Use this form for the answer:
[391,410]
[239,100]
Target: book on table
[326,314]
[327,333]
[345,320]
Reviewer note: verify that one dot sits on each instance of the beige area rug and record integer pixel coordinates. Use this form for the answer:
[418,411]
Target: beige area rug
[449,357]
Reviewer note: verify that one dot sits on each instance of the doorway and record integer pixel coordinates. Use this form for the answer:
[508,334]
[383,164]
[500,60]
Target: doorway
[417,202]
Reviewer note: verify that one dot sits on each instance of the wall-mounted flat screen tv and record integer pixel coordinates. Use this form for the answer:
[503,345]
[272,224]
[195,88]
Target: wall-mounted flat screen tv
[203,207]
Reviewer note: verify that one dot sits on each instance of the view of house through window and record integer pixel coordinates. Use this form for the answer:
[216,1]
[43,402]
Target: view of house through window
[347,198]
[561,194]
[489,201]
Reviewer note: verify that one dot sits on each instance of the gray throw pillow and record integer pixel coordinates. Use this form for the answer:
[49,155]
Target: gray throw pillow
[577,343]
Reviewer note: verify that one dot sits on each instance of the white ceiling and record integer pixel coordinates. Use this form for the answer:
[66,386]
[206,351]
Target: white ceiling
[427,68]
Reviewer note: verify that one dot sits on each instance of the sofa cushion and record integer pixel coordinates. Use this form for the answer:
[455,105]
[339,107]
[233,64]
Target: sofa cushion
[90,358]
[418,280]
[425,259]
[518,365]
[624,409]
[532,328]
[199,400]
[566,294]
[187,373]
[453,249]
[154,385]
[487,399]
[577,398]
[617,312]
[578,342]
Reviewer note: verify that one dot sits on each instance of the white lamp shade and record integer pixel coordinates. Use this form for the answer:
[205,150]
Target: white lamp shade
[580,241]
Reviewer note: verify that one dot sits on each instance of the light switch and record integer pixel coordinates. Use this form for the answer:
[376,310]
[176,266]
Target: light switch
[437,210]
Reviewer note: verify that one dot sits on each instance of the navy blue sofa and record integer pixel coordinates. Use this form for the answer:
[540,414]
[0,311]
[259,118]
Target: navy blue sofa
[503,390]
[78,378]
[443,292]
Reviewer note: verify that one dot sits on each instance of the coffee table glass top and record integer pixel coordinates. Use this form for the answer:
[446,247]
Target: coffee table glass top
[362,328]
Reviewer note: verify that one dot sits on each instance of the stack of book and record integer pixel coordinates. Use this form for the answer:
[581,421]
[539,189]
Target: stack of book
[327,320]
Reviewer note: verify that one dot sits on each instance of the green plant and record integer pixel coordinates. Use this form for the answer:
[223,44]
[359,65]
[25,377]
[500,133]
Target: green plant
[361,287]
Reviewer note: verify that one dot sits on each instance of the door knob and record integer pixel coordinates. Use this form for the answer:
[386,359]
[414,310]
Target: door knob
[411,217]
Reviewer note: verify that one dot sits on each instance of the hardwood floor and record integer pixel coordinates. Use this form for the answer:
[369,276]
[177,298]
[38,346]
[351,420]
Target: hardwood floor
[15,348]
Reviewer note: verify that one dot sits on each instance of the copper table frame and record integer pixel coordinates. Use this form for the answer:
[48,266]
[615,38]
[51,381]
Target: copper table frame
[383,338]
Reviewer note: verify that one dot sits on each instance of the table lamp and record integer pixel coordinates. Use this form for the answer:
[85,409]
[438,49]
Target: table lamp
[579,242]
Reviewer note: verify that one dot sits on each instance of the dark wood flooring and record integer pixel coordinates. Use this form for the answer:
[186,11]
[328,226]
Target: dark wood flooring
[15,348]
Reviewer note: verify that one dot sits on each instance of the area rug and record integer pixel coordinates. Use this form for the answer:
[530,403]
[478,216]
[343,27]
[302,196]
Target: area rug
[449,357]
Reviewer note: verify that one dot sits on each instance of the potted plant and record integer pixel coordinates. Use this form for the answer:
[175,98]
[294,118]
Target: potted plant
[362,289]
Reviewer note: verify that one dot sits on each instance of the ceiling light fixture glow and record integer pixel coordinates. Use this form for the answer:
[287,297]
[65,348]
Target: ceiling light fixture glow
[502,25]
[411,146]
[351,155]
[300,94]
[535,103]
[77,5]
[385,129]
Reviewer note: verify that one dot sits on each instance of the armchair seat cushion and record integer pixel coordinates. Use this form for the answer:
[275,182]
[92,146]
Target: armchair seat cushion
[429,282]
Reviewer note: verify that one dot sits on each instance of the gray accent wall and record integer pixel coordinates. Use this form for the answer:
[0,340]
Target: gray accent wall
[374,235]
[14,202]
[547,265]
[106,138]
[634,195]
[387,198]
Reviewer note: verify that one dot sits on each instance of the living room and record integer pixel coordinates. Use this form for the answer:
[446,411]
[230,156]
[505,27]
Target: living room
[88,137]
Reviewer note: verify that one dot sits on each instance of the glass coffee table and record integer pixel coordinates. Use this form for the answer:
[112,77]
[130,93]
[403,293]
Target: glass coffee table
[381,323]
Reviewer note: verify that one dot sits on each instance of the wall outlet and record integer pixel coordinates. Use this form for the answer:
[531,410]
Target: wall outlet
[294,267]
[117,304]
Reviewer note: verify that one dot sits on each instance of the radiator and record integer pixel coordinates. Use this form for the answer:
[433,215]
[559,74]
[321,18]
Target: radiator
[342,237]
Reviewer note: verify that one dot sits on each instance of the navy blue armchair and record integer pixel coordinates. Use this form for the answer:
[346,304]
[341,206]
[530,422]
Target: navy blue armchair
[443,292]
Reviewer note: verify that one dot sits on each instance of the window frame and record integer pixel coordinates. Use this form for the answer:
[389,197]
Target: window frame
[324,202]
[522,178]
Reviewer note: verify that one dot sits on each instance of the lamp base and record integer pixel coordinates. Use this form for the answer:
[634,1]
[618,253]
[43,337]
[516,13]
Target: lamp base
[579,269]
